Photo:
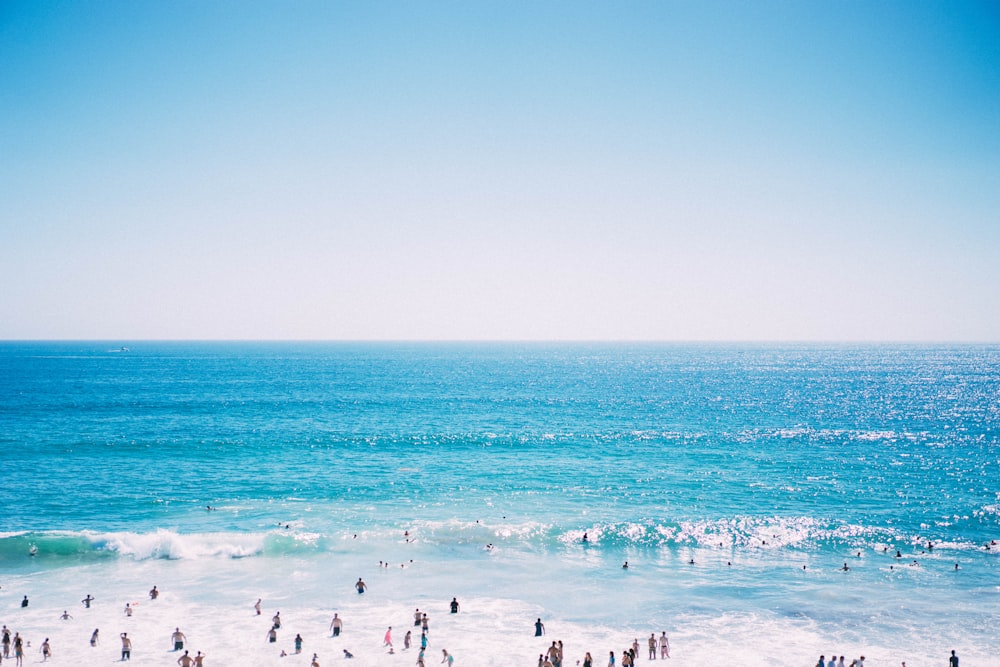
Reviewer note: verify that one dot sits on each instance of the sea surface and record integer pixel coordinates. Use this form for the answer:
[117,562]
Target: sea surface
[737,482]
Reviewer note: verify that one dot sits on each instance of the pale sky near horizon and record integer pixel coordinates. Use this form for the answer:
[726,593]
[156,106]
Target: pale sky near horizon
[500,170]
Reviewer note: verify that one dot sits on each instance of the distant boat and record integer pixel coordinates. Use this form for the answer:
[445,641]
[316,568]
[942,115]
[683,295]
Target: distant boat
[121,349]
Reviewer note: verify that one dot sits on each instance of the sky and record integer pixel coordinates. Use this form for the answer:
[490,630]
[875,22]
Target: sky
[485,170]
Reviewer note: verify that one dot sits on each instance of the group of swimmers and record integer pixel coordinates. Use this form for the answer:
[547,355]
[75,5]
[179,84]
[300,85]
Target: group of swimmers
[631,654]
[18,644]
[833,662]
[420,620]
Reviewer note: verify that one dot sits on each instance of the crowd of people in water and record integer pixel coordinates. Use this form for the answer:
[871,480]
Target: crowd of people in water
[13,645]
[553,656]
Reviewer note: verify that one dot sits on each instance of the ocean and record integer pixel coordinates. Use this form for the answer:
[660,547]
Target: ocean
[737,482]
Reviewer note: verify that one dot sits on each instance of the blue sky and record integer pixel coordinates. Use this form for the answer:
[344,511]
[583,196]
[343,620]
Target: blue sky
[486,170]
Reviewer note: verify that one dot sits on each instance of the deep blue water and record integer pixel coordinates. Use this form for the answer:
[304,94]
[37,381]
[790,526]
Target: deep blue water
[893,438]
[769,457]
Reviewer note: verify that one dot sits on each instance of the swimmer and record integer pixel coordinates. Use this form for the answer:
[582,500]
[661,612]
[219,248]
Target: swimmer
[276,620]
[128,609]
[199,660]
[87,600]
[65,615]
[360,586]
[625,565]
[126,647]
[448,658]
[24,602]
[845,568]
[93,637]
[406,640]
[256,606]
[348,654]
[539,628]
[46,650]
[185,660]
[387,640]
[272,635]
[335,625]
[153,593]
[298,643]
[416,618]
[178,639]
[454,605]
[315,661]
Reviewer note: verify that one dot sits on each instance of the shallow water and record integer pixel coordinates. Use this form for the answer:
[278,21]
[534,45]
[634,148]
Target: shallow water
[752,461]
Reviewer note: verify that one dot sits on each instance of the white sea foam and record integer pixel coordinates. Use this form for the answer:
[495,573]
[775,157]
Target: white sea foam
[213,607]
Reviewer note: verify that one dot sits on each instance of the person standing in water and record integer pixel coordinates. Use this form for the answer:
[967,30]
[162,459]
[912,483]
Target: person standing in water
[360,586]
[126,647]
[335,625]
[539,628]
[178,639]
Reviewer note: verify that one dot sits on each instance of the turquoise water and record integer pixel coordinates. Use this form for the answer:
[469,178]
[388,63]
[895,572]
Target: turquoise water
[753,461]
